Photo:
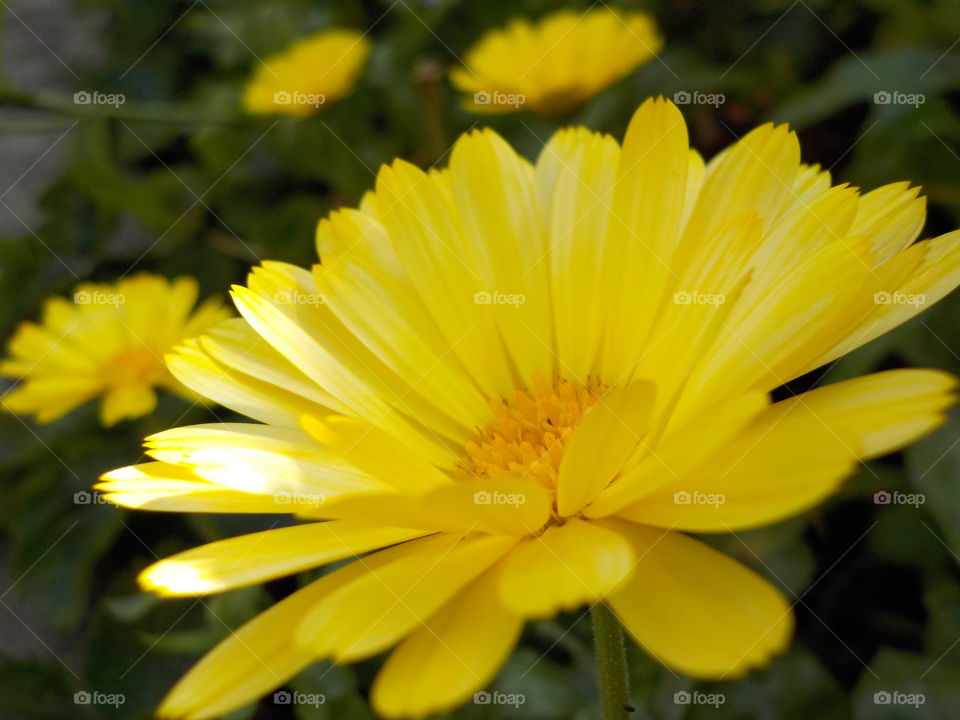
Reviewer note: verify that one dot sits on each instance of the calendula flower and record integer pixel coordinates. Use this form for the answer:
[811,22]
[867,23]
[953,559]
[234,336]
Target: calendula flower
[108,341]
[552,66]
[313,72]
[514,389]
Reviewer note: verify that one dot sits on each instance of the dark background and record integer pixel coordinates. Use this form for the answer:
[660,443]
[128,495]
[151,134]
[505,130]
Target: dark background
[178,181]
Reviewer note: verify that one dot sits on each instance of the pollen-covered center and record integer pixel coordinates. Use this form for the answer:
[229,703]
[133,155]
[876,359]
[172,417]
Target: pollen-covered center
[530,433]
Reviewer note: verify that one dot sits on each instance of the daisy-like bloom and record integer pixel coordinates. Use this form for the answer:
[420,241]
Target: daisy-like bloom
[311,73]
[108,341]
[511,389]
[552,66]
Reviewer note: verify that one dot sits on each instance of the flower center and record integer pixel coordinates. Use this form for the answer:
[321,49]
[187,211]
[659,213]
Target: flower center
[529,435]
[135,366]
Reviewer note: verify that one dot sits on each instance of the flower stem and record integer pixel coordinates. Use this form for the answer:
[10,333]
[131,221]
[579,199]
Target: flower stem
[611,663]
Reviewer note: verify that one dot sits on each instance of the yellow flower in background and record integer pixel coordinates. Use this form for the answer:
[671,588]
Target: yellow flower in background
[514,389]
[308,75]
[108,341]
[552,66]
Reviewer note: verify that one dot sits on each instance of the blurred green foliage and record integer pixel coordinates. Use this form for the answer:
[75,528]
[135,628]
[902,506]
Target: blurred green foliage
[178,181]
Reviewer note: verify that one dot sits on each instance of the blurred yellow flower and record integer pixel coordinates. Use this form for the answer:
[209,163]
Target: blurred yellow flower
[311,73]
[108,342]
[516,388]
[554,65]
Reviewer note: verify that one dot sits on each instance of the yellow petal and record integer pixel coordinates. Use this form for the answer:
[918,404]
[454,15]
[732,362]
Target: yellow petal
[375,453]
[208,314]
[281,321]
[126,401]
[500,505]
[311,73]
[892,216]
[53,344]
[387,315]
[695,609]
[384,508]
[575,175]
[493,189]
[245,394]
[235,345]
[258,557]
[261,459]
[696,174]
[643,231]
[768,342]
[933,268]
[50,397]
[676,455]
[802,231]
[419,212]
[884,411]
[795,453]
[338,242]
[402,588]
[565,567]
[456,653]
[781,464]
[255,659]
[555,63]
[284,305]
[755,174]
[696,313]
[164,487]
[601,444]
[810,181]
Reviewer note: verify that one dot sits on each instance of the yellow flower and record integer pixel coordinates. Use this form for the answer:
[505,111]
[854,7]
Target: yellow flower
[556,64]
[313,72]
[108,342]
[514,389]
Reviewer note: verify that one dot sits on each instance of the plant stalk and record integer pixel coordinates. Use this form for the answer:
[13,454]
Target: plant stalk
[612,671]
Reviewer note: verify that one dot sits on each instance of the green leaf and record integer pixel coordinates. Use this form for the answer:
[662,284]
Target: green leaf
[858,76]
[933,467]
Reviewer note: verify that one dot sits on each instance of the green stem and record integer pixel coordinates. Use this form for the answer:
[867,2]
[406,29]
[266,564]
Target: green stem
[611,663]
[429,75]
